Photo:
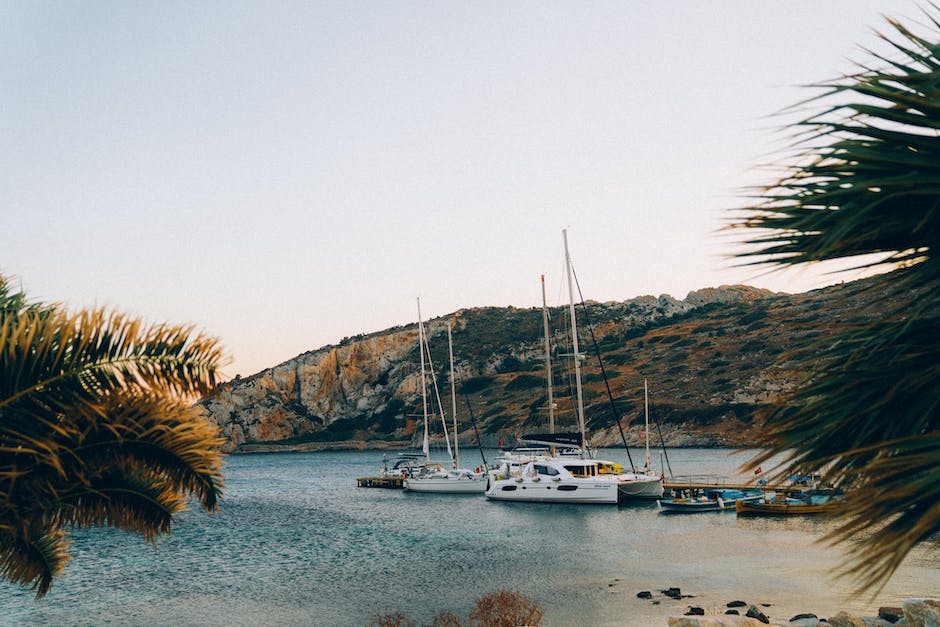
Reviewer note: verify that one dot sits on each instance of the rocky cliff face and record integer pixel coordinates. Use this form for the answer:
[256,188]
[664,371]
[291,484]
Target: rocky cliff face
[708,359]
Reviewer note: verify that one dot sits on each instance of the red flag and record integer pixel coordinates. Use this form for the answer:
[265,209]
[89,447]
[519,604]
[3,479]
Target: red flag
[757,471]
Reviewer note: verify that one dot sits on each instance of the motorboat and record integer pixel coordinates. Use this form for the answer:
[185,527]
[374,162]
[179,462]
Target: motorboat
[404,465]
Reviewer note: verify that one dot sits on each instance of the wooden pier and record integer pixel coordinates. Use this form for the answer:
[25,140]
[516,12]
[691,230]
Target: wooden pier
[700,486]
[391,483]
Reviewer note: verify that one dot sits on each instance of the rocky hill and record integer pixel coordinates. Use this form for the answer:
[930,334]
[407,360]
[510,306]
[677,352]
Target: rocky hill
[709,360]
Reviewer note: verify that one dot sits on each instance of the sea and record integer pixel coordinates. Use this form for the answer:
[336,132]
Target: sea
[296,542]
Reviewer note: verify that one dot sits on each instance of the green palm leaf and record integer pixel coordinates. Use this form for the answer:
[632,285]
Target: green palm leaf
[866,407]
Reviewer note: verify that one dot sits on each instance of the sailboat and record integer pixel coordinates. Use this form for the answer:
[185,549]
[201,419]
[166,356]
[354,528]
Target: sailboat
[569,476]
[435,477]
[644,484]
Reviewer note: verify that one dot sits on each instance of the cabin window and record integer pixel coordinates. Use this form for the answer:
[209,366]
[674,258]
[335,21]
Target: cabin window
[567,488]
[508,488]
[546,470]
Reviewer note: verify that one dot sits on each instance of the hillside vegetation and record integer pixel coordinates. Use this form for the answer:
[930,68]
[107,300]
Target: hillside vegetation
[708,360]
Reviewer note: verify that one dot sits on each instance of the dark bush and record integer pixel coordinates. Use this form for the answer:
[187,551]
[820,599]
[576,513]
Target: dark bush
[524,382]
[475,384]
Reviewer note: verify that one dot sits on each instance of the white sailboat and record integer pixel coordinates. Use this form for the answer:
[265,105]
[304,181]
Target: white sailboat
[559,478]
[644,484]
[436,478]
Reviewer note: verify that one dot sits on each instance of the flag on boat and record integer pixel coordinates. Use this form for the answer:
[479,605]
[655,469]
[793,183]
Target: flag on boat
[757,470]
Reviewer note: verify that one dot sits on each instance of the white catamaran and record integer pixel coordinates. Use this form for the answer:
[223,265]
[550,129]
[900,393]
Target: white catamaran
[571,476]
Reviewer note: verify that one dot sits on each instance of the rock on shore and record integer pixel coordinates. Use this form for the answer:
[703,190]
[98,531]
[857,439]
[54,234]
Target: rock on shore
[916,613]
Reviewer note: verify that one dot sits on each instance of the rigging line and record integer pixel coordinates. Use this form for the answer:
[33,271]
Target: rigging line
[473,420]
[597,351]
[661,440]
[437,395]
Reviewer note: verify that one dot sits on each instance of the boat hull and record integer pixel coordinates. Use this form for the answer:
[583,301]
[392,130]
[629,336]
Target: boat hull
[640,488]
[758,508]
[546,491]
[679,507]
[446,485]
[702,504]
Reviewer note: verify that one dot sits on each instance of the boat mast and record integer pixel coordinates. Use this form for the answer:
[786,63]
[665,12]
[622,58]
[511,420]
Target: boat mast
[437,397]
[646,397]
[548,366]
[453,394]
[574,345]
[424,392]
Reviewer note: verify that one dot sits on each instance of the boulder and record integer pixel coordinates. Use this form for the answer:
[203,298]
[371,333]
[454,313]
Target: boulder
[695,611]
[890,614]
[736,604]
[755,613]
[645,594]
[713,621]
[674,593]
[924,612]
[844,619]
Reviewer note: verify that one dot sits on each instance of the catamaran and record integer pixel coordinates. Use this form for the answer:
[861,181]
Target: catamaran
[572,476]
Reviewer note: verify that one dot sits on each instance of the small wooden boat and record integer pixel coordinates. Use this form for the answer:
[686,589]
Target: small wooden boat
[713,501]
[790,506]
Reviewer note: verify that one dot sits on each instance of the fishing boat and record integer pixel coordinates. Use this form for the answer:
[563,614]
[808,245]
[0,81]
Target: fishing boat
[435,478]
[715,500]
[802,505]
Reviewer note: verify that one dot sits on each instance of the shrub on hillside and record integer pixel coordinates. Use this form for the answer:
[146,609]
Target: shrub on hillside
[524,382]
[475,384]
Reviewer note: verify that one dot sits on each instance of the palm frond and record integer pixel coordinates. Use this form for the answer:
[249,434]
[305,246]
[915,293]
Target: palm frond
[35,558]
[866,407]
[97,427]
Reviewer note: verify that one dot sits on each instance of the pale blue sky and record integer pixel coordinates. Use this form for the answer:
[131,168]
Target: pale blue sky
[284,174]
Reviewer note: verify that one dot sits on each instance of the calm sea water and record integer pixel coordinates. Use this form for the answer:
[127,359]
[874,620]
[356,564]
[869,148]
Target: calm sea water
[297,543]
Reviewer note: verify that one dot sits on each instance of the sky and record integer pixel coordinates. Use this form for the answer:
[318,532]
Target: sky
[285,174]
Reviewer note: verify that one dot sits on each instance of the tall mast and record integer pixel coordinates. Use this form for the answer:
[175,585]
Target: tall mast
[424,392]
[453,394]
[574,345]
[548,365]
[646,397]
[437,397]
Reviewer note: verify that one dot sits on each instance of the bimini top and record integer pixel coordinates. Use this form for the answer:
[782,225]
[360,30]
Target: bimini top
[556,439]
